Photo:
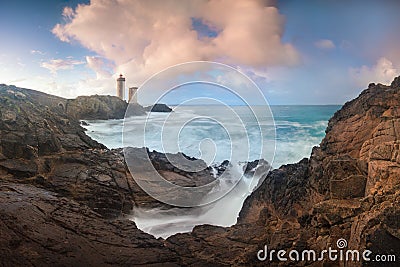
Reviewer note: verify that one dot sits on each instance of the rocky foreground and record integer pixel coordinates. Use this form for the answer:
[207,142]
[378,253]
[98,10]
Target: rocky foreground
[63,196]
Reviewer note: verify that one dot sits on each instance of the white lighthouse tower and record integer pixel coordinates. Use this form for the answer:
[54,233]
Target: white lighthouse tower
[121,87]
[133,95]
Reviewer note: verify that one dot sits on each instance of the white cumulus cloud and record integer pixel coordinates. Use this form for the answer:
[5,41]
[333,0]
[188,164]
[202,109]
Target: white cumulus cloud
[144,37]
[384,71]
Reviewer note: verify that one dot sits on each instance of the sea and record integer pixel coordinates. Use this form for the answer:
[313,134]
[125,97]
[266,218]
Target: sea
[280,134]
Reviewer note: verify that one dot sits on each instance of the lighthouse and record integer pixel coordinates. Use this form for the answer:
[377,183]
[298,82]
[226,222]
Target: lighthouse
[133,95]
[121,87]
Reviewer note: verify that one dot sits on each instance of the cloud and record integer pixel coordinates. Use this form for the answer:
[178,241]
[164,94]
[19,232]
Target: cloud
[324,44]
[68,13]
[18,80]
[382,72]
[144,37]
[68,89]
[22,65]
[37,52]
[55,65]
[100,65]
[86,84]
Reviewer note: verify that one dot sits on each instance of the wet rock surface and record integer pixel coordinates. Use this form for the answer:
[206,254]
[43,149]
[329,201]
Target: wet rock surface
[63,196]
[40,228]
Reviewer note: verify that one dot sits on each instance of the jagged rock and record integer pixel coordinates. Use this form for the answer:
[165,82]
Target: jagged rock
[19,167]
[288,180]
[153,168]
[352,186]
[395,83]
[37,127]
[9,116]
[158,108]
[40,228]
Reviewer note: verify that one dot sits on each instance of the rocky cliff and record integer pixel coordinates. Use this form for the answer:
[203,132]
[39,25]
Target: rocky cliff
[62,194]
[349,189]
[97,107]
[102,107]
[34,124]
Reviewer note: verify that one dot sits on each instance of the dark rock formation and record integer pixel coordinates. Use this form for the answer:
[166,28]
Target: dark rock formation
[33,125]
[158,108]
[40,228]
[170,166]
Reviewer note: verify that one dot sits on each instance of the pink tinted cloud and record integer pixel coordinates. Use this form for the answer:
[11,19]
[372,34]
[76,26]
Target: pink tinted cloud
[100,66]
[55,65]
[144,37]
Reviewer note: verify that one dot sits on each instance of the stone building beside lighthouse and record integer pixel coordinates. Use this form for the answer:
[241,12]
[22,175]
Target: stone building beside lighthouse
[121,87]
[133,95]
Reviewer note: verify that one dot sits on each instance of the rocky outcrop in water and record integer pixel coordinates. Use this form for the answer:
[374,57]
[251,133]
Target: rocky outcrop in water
[158,108]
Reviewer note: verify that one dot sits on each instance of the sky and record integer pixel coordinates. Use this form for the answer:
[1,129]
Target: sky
[297,52]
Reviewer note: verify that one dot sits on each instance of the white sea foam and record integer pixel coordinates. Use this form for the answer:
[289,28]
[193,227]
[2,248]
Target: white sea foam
[224,212]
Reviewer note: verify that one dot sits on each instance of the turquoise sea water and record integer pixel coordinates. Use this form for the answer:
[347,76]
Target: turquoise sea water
[297,130]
